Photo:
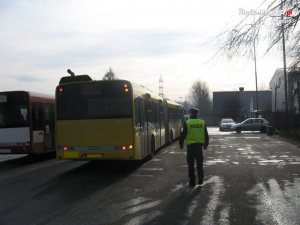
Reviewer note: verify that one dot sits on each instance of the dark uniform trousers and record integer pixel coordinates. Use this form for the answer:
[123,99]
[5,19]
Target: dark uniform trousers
[195,153]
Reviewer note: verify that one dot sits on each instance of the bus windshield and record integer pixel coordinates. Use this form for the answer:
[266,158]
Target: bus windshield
[93,100]
[14,109]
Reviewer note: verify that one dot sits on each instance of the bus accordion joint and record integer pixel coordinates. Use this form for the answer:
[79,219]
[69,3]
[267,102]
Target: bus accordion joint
[147,95]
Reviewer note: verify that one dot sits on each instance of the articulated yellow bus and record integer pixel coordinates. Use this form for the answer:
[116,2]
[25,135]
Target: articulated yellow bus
[114,120]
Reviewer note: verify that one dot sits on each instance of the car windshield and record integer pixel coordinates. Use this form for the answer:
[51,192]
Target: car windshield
[14,110]
[227,121]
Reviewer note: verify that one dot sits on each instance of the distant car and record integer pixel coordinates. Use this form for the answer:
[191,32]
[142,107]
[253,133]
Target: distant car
[251,124]
[226,124]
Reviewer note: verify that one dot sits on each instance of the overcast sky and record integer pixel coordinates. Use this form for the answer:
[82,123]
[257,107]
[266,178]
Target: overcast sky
[140,40]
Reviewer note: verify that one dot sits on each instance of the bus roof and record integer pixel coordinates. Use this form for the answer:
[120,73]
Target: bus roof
[74,79]
[146,93]
[137,89]
[34,96]
[173,104]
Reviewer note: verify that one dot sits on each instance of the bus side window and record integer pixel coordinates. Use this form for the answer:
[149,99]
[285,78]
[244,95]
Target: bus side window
[24,114]
[47,113]
[48,118]
[161,117]
[137,104]
[149,114]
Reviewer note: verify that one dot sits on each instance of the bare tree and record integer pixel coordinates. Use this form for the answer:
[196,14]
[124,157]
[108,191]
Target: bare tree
[200,97]
[276,17]
[110,75]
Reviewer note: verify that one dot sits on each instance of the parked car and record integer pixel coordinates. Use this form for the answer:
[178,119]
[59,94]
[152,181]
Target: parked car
[226,124]
[251,124]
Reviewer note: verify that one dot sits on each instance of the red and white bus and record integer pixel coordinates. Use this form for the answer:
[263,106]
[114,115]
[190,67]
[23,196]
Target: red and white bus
[26,122]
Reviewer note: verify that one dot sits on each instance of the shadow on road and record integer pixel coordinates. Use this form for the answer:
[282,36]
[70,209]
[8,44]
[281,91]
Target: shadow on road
[25,160]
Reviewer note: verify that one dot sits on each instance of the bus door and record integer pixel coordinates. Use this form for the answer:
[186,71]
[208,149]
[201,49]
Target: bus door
[144,127]
[166,122]
[140,127]
[48,126]
[156,124]
[161,126]
[147,127]
[37,127]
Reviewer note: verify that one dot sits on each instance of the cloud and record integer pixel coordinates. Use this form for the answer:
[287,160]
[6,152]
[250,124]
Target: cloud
[140,40]
[24,78]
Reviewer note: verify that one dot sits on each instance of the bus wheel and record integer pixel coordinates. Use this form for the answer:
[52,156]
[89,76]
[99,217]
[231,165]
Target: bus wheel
[152,147]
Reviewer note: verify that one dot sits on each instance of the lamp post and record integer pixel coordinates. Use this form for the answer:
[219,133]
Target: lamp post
[255,68]
[255,72]
[276,86]
[284,68]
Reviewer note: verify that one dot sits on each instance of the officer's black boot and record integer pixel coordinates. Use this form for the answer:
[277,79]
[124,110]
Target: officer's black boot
[200,181]
[192,183]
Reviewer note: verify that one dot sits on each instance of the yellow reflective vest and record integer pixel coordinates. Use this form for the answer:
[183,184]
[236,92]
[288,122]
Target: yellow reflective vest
[195,131]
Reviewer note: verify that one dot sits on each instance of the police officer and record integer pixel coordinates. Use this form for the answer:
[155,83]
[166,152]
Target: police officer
[195,136]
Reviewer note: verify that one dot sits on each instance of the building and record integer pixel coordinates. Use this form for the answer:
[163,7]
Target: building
[278,90]
[281,119]
[240,104]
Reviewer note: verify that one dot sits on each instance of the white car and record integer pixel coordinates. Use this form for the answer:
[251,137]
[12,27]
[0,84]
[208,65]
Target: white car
[226,124]
[251,124]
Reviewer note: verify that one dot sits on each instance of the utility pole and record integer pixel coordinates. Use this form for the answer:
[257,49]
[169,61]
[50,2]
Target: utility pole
[254,49]
[284,69]
[253,39]
[161,88]
[276,86]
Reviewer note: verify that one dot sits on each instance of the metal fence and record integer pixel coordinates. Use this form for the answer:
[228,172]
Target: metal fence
[286,122]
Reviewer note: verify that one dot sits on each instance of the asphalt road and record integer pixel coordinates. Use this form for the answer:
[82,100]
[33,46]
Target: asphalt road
[250,178]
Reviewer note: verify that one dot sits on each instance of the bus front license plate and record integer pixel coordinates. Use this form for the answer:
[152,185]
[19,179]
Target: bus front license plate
[71,155]
[94,156]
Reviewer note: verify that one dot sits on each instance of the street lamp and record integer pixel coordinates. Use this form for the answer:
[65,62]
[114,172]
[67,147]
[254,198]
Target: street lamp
[284,68]
[276,86]
[254,52]
[255,69]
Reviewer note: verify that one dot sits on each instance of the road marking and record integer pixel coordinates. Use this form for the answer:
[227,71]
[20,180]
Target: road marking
[214,202]
[151,169]
[144,218]
[277,204]
[141,175]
